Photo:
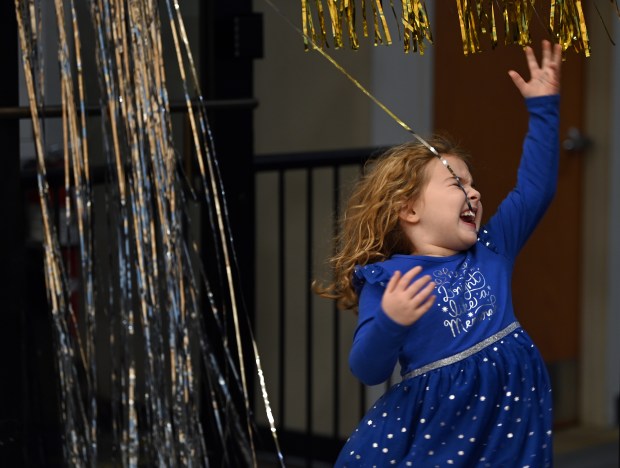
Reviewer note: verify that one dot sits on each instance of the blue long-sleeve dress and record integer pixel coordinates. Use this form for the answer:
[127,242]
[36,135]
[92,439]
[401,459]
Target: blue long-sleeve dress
[475,391]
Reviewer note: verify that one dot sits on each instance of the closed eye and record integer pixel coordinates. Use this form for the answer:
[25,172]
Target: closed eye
[461,184]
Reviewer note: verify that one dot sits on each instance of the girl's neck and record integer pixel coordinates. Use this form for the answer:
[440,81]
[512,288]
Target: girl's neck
[434,252]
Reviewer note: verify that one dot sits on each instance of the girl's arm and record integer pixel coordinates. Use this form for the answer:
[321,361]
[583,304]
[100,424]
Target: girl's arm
[377,339]
[521,211]
[385,317]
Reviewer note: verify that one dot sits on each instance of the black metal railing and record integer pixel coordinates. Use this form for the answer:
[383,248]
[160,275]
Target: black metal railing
[305,435]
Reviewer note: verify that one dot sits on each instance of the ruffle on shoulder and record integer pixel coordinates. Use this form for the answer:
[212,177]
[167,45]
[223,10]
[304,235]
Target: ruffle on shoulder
[372,274]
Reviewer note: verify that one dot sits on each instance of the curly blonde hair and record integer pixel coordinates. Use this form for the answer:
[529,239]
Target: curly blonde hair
[369,228]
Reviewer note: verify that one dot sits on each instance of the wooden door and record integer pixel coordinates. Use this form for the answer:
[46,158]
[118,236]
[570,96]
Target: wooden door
[476,102]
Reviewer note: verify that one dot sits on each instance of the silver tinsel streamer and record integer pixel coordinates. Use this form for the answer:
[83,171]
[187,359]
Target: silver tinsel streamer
[159,336]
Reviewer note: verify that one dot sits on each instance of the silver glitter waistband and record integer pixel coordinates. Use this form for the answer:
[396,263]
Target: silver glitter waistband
[463,354]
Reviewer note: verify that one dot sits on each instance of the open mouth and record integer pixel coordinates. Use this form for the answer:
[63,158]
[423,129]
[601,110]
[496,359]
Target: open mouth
[469,217]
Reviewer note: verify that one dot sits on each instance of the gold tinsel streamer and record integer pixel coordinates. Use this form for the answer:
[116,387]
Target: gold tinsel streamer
[417,26]
[568,25]
[477,22]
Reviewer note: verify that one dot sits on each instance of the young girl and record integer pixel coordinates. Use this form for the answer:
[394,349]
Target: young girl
[434,293]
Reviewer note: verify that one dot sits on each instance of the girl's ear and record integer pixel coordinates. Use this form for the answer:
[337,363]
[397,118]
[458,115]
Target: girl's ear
[408,213]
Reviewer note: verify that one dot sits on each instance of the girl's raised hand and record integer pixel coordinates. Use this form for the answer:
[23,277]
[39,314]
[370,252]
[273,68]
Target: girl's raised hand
[544,79]
[406,300]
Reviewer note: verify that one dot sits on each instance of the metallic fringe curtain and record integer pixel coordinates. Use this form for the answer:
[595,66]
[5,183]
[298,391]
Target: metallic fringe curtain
[477,19]
[179,395]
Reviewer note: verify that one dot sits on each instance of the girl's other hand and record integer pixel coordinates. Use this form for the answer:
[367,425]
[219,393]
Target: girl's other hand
[406,300]
[544,79]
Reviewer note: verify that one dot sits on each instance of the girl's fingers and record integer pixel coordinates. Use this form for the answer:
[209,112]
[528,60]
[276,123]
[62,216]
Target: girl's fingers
[558,54]
[531,59]
[517,80]
[427,305]
[408,277]
[428,289]
[425,291]
[400,281]
[422,286]
[546,53]
[406,297]
[418,285]
[393,283]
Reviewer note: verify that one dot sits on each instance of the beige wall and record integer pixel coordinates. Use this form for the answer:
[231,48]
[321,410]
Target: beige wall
[304,103]
[600,352]
[613,327]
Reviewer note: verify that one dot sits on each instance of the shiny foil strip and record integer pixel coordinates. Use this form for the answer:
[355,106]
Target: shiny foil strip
[177,368]
[478,23]
[343,14]
[517,17]
[477,20]
[567,24]
[416,26]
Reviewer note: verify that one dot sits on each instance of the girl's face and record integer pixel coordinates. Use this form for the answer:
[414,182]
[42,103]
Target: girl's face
[439,222]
